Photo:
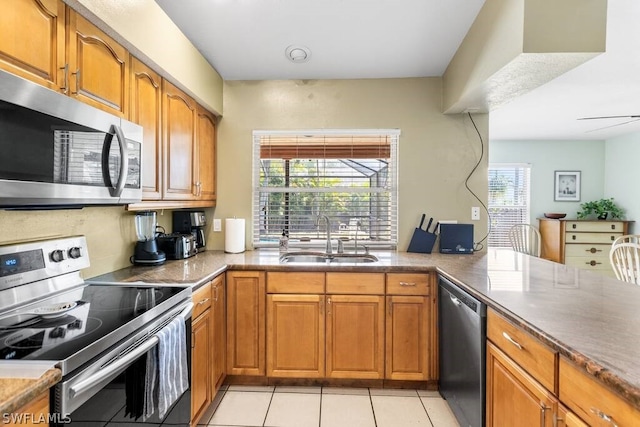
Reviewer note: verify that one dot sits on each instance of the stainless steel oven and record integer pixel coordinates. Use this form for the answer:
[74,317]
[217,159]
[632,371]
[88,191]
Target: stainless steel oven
[99,335]
[57,151]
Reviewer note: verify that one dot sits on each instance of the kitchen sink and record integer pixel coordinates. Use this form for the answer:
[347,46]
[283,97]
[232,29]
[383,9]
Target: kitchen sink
[323,258]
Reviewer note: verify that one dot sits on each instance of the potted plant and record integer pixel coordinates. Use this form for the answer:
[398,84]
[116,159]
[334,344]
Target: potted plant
[601,208]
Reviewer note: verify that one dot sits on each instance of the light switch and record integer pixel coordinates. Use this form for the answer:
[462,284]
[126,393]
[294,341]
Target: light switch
[217,224]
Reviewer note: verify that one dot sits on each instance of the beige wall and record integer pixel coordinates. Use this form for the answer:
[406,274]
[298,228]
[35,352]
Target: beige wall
[436,151]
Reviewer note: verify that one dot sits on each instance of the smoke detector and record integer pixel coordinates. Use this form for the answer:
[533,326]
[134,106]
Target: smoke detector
[298,54]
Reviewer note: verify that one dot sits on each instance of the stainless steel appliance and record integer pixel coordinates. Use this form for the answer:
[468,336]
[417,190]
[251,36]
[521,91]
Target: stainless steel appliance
[146,250]
[94,333]
[57,151]
[462,331]
[193,222]
[177,245]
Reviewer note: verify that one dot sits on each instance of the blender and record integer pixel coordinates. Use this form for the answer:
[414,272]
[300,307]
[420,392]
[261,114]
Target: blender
[146,250]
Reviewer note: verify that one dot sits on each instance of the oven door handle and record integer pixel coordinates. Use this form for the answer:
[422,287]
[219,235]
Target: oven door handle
[121,364]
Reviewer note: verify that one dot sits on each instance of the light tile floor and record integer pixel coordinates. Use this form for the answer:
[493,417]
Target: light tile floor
[269,406]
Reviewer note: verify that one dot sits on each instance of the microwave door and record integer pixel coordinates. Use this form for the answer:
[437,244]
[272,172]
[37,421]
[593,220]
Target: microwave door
[115,164]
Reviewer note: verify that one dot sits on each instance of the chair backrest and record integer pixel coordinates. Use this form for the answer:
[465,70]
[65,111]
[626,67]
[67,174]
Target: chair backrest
[627,238]
[625,261]
[525,238]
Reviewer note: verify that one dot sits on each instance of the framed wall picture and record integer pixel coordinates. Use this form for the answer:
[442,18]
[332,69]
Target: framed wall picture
[567,186]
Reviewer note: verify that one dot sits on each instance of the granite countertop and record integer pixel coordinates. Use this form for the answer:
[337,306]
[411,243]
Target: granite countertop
[17,392]
[589,318]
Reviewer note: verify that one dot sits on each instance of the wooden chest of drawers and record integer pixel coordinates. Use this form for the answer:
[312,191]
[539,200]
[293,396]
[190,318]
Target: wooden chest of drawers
[581,243]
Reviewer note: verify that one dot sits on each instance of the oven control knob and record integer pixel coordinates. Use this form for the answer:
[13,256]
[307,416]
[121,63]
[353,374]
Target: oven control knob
[57,255]
[74,253]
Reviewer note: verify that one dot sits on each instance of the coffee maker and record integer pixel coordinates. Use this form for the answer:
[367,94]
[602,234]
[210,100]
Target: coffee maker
[192,222]
[146,250]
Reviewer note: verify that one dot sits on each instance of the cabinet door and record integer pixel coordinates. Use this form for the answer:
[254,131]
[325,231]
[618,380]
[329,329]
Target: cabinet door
[295,336]
[32,40]
[514,398]
[219,329]
[146,110]
[246,323]
[200,361]
[206,155]
[407,344]
[98,67]
[355,336]
[566,418]
[179,121]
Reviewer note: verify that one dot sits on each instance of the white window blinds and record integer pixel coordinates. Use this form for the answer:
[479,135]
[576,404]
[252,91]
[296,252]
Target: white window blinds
[508,200]
[349,176]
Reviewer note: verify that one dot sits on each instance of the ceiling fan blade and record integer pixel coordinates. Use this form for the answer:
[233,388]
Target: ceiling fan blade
[611,117]
[617,124]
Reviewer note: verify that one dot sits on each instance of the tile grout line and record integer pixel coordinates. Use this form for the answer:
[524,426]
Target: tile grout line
[268,407]
[320,412]
[375,421]
[425,409]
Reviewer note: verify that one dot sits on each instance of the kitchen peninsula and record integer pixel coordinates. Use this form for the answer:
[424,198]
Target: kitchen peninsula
[586,318]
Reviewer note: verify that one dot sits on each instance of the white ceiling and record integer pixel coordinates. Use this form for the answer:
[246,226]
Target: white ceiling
[247,39]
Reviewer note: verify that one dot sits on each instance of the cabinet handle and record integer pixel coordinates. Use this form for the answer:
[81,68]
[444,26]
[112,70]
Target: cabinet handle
[512,341]
[593,263]
[198,186]
[603,416]
[573,237]
[574,226]
[613,238]
[203,301]
[557,419]
[543,414]
[65,79]
[408,284]
[613,226]
[329,305]
[593,250]
[390,307]
[77,74]
[215,293]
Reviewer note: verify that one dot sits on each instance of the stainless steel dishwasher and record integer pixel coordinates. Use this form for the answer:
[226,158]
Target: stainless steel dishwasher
[462,332]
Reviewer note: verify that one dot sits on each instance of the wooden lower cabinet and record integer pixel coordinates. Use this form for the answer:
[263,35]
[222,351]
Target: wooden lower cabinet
[218,333]
[514,398]
[408,338]
[566,418]
[355,336]
[295,336]
[246,350]
[200,365]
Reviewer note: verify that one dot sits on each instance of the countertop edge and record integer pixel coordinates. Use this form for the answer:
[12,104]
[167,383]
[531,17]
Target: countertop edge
[22,390]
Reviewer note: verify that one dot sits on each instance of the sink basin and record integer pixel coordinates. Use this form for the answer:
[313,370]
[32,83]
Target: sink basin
[322,258]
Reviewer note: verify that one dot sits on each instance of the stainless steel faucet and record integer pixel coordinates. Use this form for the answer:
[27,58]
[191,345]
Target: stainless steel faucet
[329,251]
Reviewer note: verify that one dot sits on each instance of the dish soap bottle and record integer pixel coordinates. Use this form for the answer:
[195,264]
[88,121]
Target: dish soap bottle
[284,242]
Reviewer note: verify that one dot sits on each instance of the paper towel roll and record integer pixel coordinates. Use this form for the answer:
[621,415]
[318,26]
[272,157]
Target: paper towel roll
[234,235]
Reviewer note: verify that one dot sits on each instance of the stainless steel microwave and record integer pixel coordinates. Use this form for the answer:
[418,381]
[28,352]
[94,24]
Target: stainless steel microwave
[56,151]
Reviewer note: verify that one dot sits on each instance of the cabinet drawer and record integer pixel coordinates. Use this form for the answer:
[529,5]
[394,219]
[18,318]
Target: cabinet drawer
[355,283]
[586,250]
[526,350]
[596,226]
[295,283]
[201,299]
[408,284]
[588,263]
[591,400]
[604,238]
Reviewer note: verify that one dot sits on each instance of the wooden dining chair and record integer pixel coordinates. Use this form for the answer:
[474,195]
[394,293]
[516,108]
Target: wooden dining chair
[525,238]
[627,238]
[625,261]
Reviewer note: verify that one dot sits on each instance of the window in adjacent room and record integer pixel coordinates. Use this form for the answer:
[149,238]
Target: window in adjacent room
[509,200]
[349,176]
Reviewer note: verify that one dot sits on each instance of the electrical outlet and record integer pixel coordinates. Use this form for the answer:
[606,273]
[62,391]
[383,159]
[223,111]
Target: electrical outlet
[475,213]
[217,224]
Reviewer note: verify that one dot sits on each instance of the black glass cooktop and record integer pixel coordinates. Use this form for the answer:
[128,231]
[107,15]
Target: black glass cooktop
[56,329]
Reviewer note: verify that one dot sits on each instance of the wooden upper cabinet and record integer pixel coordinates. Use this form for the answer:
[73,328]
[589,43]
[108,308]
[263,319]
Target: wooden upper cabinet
[32,40]
[206,155]
[98,67]
[179,124]
[146,110]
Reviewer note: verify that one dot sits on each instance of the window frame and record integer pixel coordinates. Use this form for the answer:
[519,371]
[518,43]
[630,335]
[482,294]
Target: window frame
[526,207]
[394,135]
